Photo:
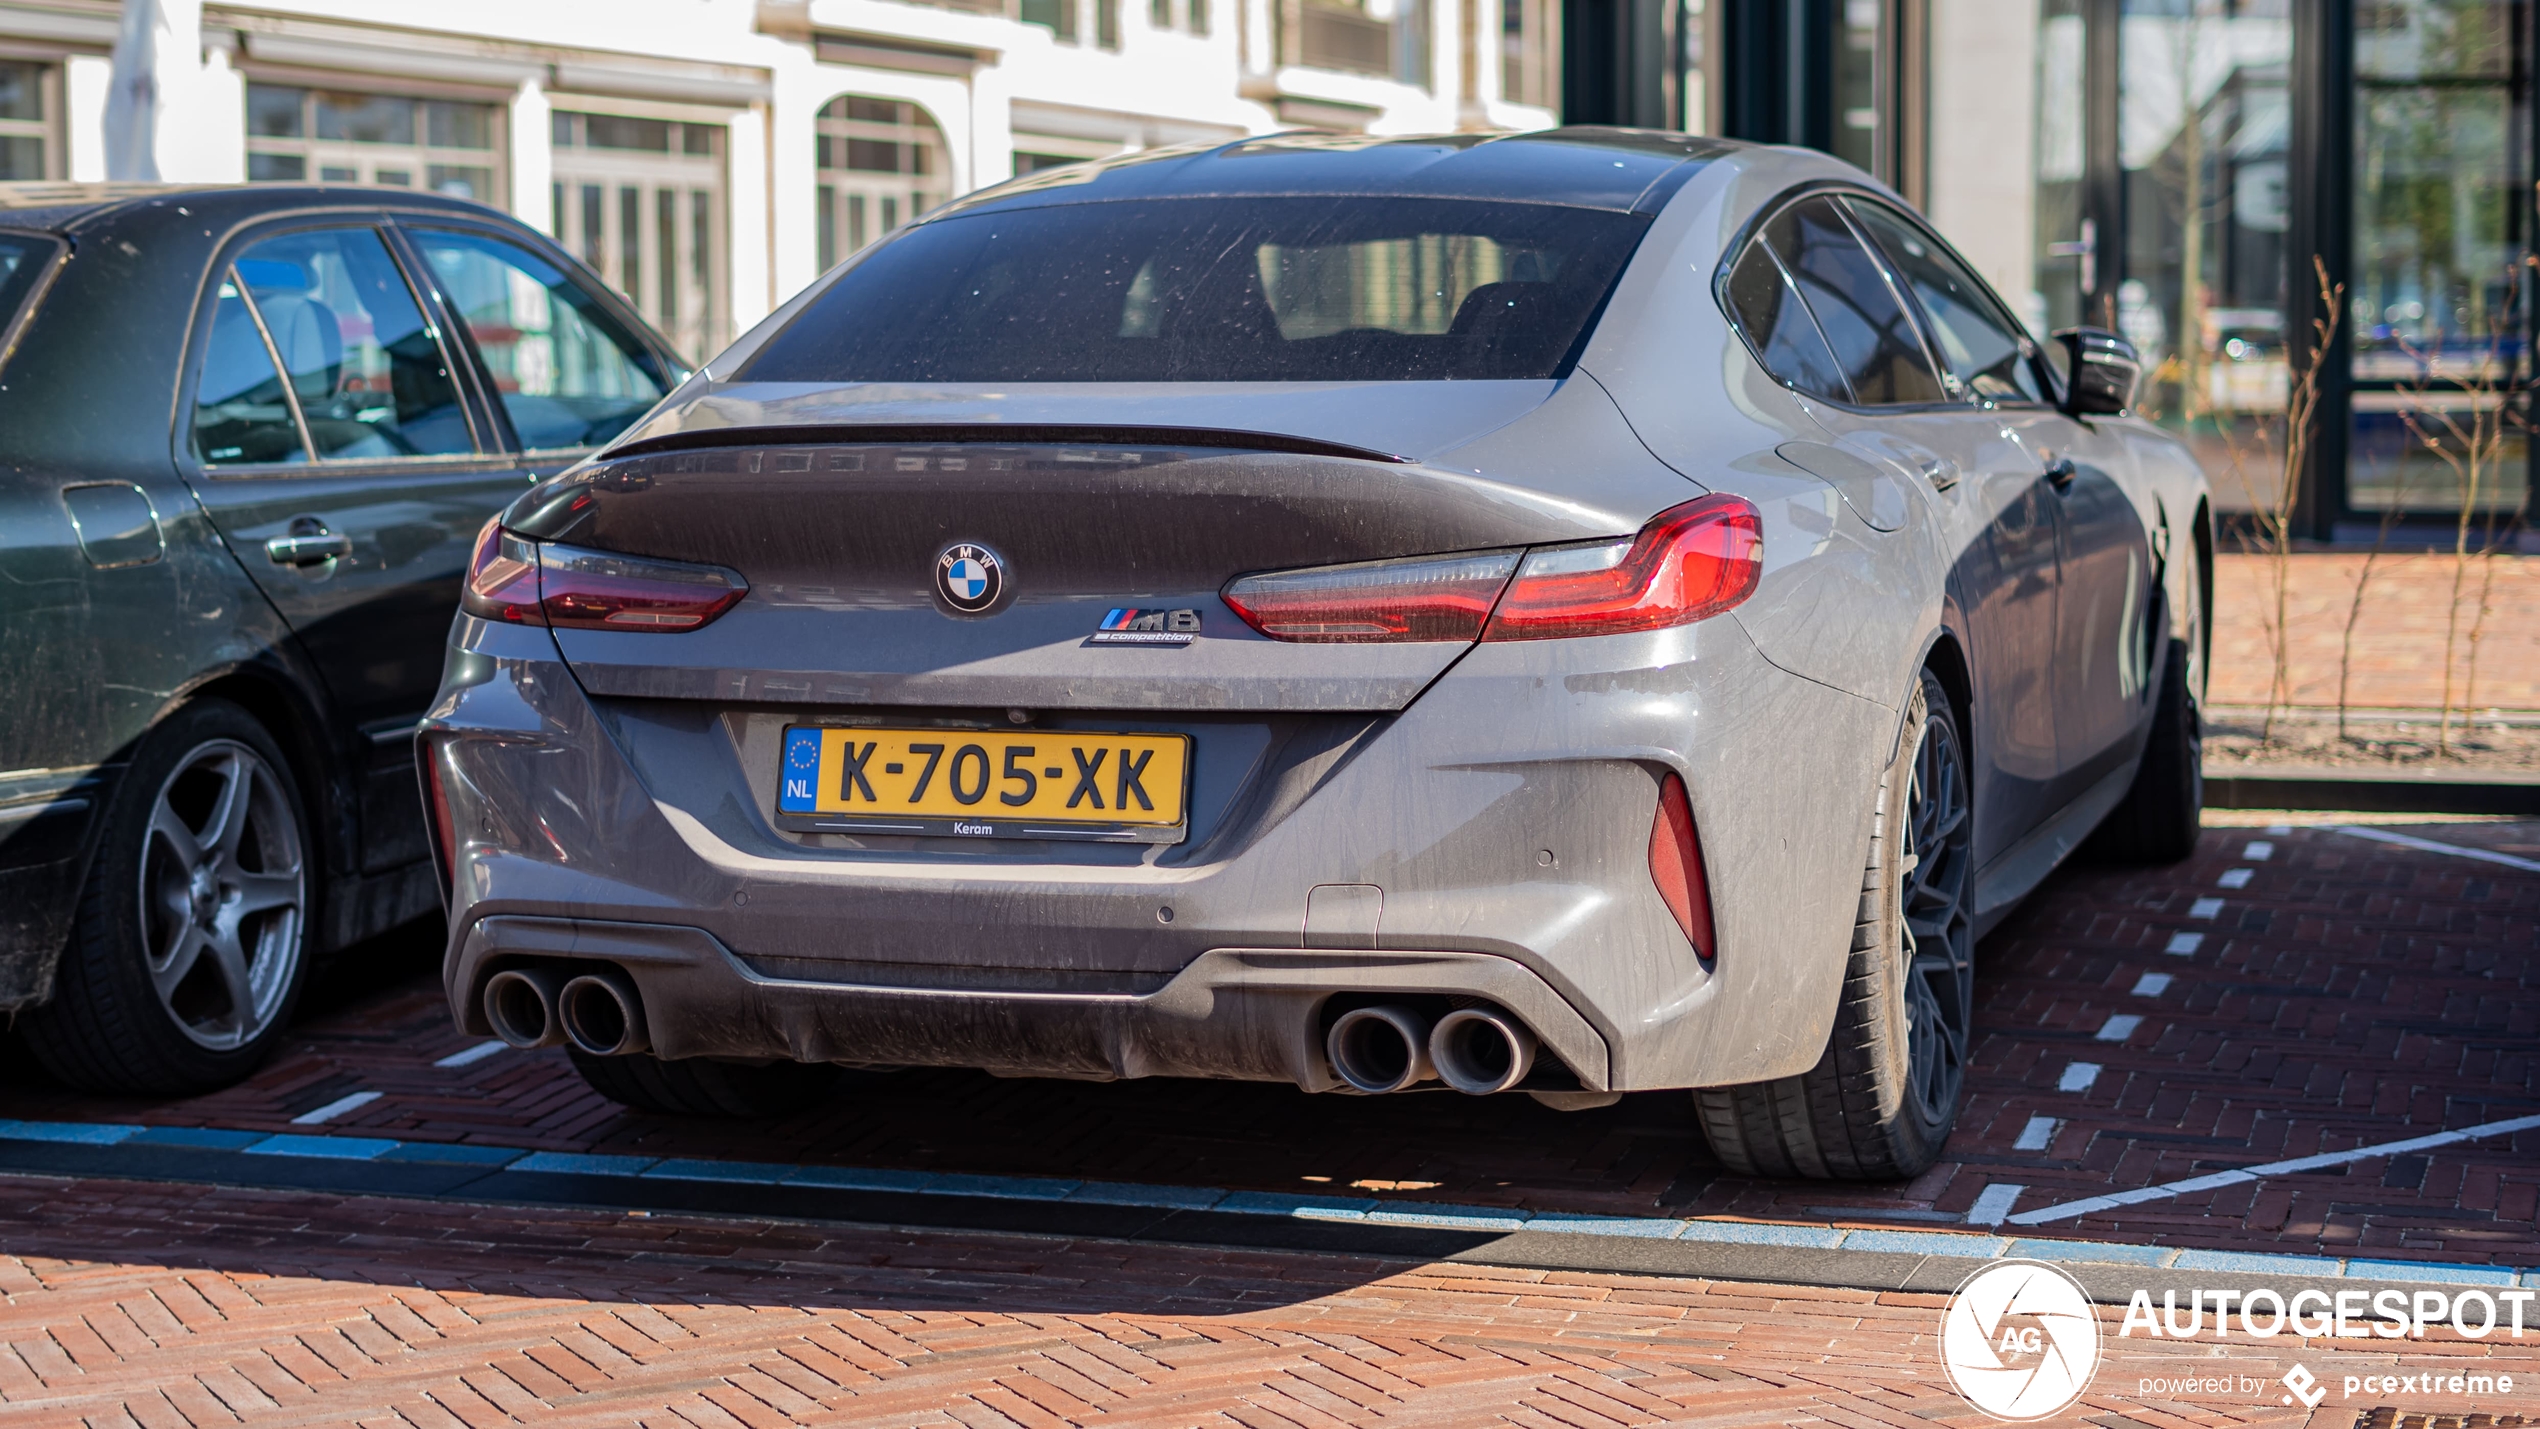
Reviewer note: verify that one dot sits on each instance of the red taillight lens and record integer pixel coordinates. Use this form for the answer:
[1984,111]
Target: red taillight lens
[540,583]
[502,577]
[1432,598]
[599,590]
[1675,865]
[1693,561]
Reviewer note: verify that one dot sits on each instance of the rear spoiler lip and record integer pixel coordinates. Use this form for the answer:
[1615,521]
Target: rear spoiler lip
[992,434]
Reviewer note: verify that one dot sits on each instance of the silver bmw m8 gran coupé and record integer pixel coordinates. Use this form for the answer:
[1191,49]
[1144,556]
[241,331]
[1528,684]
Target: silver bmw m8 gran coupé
[1556,614]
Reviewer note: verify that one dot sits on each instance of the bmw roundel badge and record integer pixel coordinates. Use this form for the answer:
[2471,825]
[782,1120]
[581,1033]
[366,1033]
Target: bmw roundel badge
[970,578]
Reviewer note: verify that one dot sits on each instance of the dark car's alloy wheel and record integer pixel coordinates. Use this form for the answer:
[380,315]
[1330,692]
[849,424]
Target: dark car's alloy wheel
[191,940]
[1881,1100]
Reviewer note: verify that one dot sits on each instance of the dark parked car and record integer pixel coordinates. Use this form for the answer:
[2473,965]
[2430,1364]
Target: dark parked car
[246,437]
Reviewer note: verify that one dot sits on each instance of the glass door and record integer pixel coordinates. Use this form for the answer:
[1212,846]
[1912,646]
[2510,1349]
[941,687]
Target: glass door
[2440,297]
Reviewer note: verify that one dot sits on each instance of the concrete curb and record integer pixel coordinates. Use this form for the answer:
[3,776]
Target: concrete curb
[2341,790]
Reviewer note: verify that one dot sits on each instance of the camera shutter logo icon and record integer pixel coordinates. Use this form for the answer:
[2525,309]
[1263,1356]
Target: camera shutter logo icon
[2019,1340]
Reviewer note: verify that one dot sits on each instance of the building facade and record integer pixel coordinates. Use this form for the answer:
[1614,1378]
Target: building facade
[2188,172]
[711,157]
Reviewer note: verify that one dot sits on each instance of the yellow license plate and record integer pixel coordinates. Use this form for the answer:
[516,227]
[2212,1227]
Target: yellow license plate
[985,784]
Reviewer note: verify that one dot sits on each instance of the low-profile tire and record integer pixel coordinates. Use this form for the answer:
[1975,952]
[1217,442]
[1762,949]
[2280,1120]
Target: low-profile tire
[2164,810]
[705,1086]
[191,942]
[1882,1098]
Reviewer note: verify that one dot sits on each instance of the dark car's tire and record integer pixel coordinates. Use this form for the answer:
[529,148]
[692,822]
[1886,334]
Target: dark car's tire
[190,945]
[2164,811]
[704,1086]
[1880,1102]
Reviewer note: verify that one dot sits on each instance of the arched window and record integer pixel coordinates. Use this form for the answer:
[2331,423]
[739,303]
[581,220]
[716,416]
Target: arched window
[882,163]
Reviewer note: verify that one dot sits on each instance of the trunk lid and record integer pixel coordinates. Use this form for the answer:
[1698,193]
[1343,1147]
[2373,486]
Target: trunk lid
[840,543]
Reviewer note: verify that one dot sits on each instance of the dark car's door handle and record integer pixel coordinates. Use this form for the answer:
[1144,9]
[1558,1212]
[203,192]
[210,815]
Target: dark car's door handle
[307,550]
[2061,471]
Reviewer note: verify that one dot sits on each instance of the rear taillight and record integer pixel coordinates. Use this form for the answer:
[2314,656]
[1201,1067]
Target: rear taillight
[1693,561]
[502,577]
[600,590]
[541,583]
[1675,865]
[1432,598]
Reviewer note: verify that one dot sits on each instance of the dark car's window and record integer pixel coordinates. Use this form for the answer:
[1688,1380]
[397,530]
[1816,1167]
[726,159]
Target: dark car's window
[1786,339]
[241,417]
[370,378]
[1215,290]
[22,260]
[1872,338]
[570,377]
[1979,346]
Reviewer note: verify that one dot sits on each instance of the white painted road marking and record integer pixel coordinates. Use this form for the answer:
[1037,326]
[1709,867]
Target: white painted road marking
[2114,1199]
[335,1108]
[2430,846]
[2078,1076]
[471,1056]
[2205,908]
[2151,984]
[1993,1203]
[2182,944]
[2037,1135]
[2258,851]
[2236,878]
[2119,1027]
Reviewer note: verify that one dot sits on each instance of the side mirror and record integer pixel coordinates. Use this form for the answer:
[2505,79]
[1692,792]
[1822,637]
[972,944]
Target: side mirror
[2100,370]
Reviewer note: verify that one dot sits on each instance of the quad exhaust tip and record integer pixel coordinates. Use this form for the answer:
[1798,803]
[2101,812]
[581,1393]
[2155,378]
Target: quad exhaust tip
[602,1014]
[1479,1050]
[520,1003]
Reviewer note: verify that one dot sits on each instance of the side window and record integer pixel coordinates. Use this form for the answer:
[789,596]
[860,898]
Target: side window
[1980,347]
[569,376]
[1785,337]
[1863,321]
[367,372]
[241,417]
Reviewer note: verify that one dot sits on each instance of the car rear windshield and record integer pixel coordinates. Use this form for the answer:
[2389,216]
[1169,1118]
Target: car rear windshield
[1350,289]
[22,260]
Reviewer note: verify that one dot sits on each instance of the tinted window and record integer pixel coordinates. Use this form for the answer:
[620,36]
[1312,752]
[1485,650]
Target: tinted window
[569,376]
[1978,345]
[370,379]
[241,417]
[1215,290]
[1786,339]
[1859,313]
[22,262]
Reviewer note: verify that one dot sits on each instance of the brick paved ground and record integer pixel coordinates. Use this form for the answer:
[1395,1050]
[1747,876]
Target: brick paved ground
[2351,993]
[164,1306]
[2399,638]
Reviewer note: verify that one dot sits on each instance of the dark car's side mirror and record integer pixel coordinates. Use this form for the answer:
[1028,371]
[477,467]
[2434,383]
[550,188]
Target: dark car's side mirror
[2100,371]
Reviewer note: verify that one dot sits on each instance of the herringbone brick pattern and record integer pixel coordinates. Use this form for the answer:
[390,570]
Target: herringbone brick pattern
[2347,993]
[129,1306]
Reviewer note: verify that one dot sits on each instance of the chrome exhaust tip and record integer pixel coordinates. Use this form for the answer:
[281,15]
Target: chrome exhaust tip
[1479,1050]
[1379,1049]
[603,1014]
[520,1003]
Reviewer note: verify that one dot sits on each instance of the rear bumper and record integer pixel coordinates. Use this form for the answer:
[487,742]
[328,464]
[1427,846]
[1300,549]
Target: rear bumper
[1247,1014]
[1489,841]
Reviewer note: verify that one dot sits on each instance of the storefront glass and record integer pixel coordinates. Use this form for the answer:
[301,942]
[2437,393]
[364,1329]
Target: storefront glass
[2442,165]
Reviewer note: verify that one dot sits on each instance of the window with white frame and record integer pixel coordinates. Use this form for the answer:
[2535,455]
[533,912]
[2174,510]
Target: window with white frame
[297,134]
[642,201]
[30,109]
[881,163]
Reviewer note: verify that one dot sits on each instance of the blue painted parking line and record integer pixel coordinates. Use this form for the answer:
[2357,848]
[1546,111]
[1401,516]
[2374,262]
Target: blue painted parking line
[1426,1215]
